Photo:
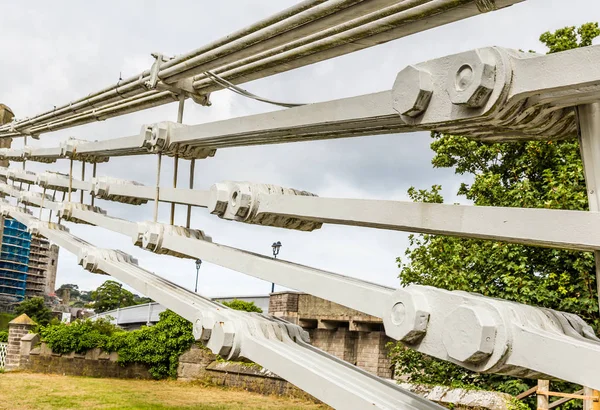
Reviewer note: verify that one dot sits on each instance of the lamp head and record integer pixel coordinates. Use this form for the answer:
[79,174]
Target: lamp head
[276,246]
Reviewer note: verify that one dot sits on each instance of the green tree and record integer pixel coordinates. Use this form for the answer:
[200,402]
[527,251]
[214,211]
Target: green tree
[35,309]
[568,38]
[243,305]
[73,288]
[528,174]
[111,295]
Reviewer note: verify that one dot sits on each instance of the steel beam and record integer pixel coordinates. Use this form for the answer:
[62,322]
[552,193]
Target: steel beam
[479,333]
[276,345]
[292,209]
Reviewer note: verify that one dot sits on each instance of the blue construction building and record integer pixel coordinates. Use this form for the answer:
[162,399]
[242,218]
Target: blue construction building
[14,260]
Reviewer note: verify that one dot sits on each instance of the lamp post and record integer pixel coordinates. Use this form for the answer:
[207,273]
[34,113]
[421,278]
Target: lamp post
[276,246]
[198,264]
[120,293]
[119,306]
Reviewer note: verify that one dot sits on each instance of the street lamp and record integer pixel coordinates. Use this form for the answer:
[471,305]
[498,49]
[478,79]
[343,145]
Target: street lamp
[198,264]
[120,295]
[276,246]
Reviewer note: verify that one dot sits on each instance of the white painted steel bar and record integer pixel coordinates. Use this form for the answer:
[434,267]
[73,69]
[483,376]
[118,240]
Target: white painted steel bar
[264,340]
[468,329]
[577,230]
[123,87]
[589,141]
[365,25]
[418,16]
[361,295]
[511,111]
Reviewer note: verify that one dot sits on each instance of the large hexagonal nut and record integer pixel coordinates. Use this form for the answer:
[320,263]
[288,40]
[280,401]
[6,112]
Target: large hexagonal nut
[472,78]
[88,261]
[151,235]
[218,198]
[101,189]
[203,326]
[155,137]
[197,327]
[406,316]
[470,334]
[240,200]
[412,91]
[221,338]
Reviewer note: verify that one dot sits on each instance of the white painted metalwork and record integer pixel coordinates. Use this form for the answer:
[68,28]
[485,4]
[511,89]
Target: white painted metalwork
[275,344]
[491,94]
[3,352]
[309,32]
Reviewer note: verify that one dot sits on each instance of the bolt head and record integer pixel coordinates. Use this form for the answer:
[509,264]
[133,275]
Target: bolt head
[412,91]
[239,201]
[472,79]
[219,199]
[406,316]
[88,261]
[152,236]
[470,334]
[101,189]
[197,330]
[221,338]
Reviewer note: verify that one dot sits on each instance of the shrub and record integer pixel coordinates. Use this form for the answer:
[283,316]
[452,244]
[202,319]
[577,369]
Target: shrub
[243,305]
[35,309]
[158,346]
[4,319]
[3,336]
[79,336]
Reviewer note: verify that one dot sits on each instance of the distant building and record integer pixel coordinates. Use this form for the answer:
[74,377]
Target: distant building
[27,265]
[14,259]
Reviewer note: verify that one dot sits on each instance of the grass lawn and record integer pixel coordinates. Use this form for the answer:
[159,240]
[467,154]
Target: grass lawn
[45,391]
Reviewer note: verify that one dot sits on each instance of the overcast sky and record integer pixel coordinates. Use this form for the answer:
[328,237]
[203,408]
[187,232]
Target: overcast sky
[55,52]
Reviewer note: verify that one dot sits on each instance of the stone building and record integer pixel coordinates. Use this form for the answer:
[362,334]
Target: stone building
[351,335]
[41,273]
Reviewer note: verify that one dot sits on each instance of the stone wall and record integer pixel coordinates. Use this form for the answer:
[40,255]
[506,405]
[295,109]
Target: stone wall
[372,353]
[200,364]
[346,333]
[94,363]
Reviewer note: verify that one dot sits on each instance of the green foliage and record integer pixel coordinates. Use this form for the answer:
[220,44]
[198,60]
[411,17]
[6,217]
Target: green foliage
[3,336]
[243,305]
[528,174]
[568,38]
[4,319]
[79,336]
[73,290]
[35,309]
[158,346]
[110,295]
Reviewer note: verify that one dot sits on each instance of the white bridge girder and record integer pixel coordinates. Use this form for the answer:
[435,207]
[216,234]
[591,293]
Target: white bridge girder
[479,333]
[491,94]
